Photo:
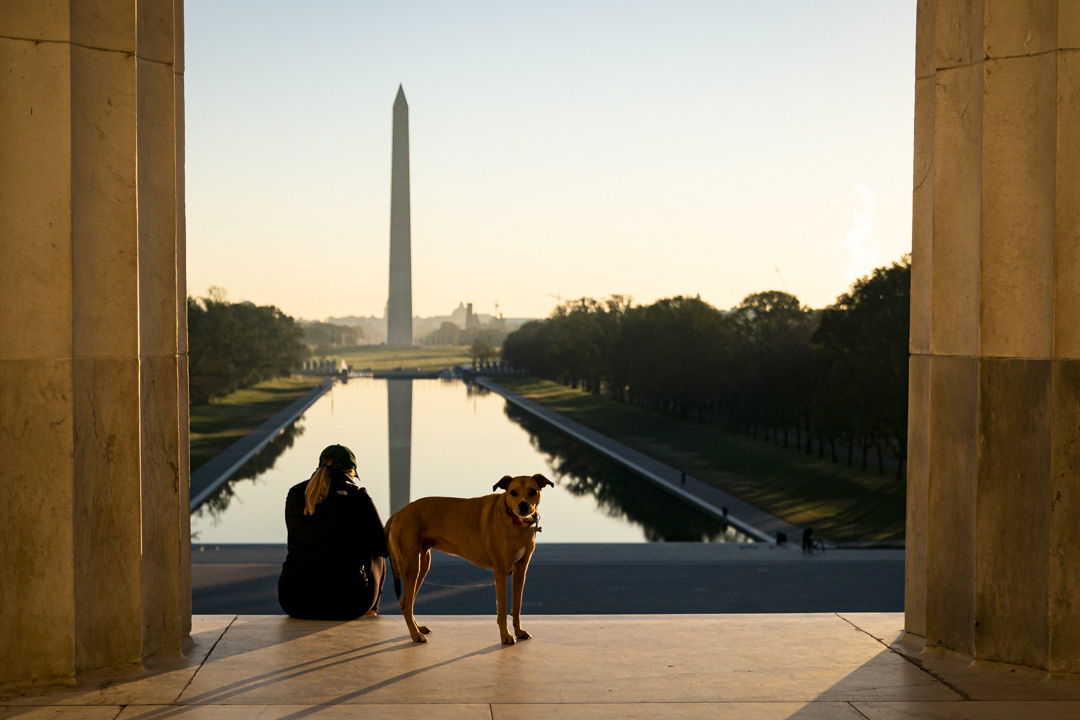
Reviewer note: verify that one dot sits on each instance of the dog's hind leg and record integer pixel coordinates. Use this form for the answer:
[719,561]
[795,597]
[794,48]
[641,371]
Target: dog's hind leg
[425,564]
[394,562]
[410,574]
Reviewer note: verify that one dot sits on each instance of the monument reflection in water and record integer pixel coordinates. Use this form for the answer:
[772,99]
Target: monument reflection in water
[399,420]
[443,437]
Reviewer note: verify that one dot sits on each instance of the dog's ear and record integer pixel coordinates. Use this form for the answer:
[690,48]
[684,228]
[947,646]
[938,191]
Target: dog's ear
[502,484]
[542,481]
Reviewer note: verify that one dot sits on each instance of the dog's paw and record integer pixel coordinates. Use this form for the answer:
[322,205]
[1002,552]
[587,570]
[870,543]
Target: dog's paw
[419,639]
[508,640]
[424,629]
[522,634]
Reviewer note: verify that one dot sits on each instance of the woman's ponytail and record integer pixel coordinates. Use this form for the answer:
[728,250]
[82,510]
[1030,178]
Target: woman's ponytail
[318,486]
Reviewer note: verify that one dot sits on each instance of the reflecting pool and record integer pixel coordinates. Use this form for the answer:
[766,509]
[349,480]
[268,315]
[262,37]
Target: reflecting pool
[415,438]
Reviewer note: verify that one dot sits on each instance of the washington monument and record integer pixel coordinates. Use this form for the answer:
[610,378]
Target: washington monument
[399,304]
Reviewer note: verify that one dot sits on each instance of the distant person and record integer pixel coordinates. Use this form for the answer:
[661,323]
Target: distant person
[808,540]
[334,567]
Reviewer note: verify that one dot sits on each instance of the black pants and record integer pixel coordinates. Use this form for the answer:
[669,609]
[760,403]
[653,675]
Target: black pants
[329,598]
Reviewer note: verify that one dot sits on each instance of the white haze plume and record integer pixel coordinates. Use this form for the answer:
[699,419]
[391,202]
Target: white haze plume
[859,242]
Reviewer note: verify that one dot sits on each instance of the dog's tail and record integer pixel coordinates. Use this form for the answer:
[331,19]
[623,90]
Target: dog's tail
[393,560]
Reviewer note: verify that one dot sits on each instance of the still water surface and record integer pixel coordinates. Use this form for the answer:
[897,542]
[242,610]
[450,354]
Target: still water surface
[445,437]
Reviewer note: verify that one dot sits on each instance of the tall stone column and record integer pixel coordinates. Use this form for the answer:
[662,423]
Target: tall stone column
[993,563]
[93,382]
[399,304]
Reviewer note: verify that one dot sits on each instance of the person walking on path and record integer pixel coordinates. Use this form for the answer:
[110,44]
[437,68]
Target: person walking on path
[334,567]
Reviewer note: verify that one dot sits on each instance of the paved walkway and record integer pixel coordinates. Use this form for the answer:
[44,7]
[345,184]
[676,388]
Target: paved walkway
[756,523]
[726,667]
[598,579]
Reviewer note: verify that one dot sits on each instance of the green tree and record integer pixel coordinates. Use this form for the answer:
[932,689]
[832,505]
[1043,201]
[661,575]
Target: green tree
[770,364]
[323,336]
[212,332]
[676,354]
[864,334]
[447,334]
[483,347]
[235,345]
[775,331]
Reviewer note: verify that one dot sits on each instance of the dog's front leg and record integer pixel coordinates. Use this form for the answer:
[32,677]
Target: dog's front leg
[500,603]
[519,589]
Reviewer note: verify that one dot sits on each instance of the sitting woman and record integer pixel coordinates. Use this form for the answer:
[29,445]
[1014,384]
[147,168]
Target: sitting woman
[334,567]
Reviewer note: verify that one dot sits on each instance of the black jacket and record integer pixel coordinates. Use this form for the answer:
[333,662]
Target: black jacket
[338,541]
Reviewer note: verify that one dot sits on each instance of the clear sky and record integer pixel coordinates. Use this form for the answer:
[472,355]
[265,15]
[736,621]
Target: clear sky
[564,147]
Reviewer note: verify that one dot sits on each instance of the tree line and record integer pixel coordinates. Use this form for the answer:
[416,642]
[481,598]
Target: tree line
[323,337]
[235,345]
[831,380]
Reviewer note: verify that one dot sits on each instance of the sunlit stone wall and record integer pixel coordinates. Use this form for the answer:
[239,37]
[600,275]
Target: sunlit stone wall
[94,548]
[993,549]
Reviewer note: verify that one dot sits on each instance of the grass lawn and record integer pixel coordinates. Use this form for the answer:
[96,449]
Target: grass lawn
[840,503]
[219,424]
[381,357]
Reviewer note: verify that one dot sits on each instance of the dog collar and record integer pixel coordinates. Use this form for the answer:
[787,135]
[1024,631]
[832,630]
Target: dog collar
[522,523]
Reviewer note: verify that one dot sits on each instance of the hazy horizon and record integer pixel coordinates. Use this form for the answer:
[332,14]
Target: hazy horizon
[564,149]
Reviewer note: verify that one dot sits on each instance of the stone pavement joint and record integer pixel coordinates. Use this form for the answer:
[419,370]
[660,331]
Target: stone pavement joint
[203,662]
[907,657]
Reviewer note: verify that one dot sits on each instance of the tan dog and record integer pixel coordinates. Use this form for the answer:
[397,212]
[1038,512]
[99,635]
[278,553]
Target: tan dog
[495,531]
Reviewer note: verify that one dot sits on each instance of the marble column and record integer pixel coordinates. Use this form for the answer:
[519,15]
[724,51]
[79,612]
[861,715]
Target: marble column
[93,383]
[399,304]
[993,566]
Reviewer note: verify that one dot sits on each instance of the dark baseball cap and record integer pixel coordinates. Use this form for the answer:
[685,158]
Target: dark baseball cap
[341,456]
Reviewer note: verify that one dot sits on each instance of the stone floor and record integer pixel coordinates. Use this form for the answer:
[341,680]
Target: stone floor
[620,666]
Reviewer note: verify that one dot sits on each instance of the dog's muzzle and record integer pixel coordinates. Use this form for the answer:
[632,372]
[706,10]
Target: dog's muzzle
[527,520]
